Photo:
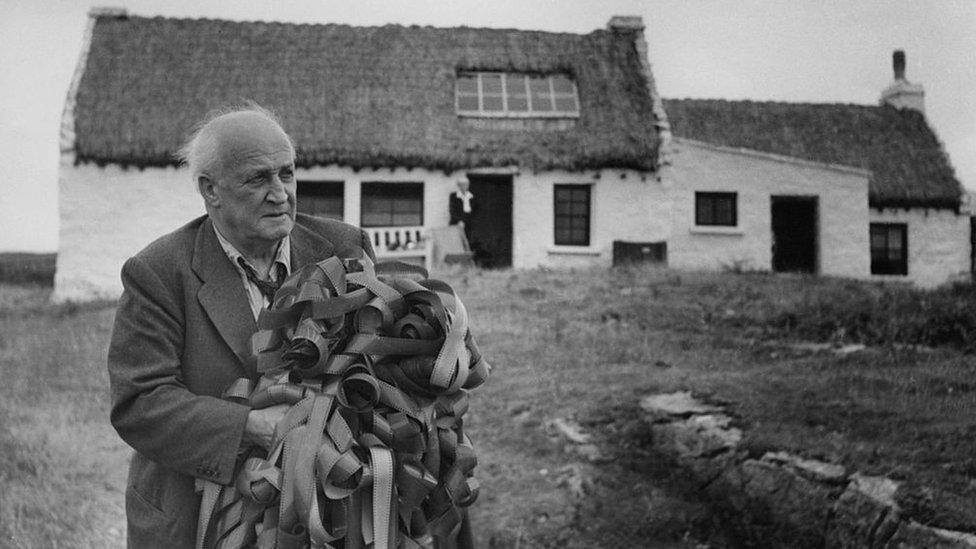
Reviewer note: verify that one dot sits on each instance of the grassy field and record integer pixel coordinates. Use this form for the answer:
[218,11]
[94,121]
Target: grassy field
[584,345]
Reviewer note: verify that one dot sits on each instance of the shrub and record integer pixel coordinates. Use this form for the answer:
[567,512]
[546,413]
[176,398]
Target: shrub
[880,315]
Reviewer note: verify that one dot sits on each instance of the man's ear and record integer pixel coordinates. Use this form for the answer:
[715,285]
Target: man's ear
[208,190]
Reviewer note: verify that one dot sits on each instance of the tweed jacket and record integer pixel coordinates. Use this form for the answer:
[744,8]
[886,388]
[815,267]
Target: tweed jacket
[181,336]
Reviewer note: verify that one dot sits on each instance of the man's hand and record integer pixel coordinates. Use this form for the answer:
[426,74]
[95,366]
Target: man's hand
[260,426]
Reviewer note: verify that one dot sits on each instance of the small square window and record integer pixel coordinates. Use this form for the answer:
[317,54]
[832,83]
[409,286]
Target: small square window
[467,102]
[392,204]
[889,248]
[467,84]
[571,210]
[491,83]
[321,198]
[716,209]
[492,103]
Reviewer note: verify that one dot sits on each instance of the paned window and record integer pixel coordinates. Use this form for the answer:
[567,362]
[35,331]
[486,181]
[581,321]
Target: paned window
[572,215]
[889,248]
[392,204]
[516,95]
[716,209]
[322,198]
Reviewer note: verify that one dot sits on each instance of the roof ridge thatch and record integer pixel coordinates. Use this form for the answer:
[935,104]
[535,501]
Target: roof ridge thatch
[358,96]
[909,164]
[345,25]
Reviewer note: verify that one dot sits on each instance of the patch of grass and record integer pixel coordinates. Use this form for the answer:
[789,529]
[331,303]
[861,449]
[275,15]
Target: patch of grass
[61,466]
[27,268]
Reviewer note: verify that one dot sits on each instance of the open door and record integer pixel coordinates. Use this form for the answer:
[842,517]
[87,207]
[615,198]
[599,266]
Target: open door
[490,236]
[795,228]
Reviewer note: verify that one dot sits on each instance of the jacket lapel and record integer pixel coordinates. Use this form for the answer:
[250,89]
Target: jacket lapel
[222,296]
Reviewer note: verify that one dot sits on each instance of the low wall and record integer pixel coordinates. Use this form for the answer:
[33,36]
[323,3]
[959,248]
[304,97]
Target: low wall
[781,500]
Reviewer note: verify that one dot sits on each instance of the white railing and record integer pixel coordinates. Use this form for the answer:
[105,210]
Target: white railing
[401,243]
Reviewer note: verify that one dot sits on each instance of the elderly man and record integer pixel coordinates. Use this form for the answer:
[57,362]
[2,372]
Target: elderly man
[189,307]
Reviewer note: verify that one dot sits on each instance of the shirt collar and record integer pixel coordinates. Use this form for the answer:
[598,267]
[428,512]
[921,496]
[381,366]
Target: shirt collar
[283,255]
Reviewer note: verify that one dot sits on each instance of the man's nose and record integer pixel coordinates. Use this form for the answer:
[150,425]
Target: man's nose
[278,192]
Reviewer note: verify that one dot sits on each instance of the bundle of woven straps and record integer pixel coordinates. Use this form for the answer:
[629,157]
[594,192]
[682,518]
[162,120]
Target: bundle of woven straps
[376,362]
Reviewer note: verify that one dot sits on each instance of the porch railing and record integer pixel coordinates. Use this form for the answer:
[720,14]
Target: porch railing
[410,244]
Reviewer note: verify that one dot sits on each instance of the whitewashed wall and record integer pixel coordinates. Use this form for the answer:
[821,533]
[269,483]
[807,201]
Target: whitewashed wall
[842,195]
[624,205]
[109,214]
[938,244]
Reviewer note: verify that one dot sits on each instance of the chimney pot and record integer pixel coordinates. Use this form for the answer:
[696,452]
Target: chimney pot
[108,11]
[626,23]
[898,61]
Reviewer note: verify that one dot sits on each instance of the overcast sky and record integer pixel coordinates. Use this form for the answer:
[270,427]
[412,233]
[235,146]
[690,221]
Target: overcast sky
[812,51]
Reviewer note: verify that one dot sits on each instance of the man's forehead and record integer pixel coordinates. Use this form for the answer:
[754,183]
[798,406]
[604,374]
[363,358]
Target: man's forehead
[245,134]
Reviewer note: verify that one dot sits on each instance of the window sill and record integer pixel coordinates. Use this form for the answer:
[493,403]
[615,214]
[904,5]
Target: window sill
[573,250]
[717,230]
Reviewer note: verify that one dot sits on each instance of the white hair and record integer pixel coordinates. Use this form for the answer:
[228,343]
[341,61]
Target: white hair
[199,153]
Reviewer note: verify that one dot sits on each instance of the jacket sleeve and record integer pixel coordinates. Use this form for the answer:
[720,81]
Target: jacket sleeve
[152,409]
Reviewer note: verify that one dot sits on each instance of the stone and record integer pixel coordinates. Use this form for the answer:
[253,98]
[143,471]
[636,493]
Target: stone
[796,508]
[913,534]
[680,404]
[591,452]
[574,479]
[865,515]
[570,430]
[881,489]
[696,436]
[849,349]
[812,469]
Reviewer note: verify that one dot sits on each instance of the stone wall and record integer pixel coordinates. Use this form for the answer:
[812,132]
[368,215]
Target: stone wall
[781,500]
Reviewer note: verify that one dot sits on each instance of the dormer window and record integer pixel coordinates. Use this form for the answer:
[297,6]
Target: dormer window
[514,95]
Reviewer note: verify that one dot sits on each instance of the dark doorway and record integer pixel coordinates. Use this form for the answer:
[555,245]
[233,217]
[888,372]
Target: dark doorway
[794,234]
[491,222]
[972,245]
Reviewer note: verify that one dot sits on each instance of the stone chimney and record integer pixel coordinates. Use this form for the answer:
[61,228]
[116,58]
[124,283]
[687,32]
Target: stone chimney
[902,94]
[635,24]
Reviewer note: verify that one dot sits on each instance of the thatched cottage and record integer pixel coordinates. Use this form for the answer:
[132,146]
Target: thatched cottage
[558,134]
[564,138]
[851,190]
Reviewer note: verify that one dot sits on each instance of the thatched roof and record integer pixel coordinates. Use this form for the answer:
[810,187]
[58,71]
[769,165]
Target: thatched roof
[358,96]
[909,166]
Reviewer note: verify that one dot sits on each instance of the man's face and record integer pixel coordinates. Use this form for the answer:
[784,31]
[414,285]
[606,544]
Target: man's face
[254,184]
[463,185]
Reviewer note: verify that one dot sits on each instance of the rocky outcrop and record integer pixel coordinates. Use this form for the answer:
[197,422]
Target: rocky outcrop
[782,500]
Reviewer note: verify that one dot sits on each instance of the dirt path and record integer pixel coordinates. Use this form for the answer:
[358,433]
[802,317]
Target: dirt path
[610,491]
